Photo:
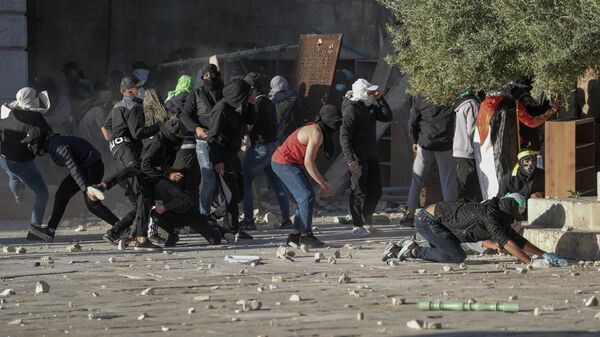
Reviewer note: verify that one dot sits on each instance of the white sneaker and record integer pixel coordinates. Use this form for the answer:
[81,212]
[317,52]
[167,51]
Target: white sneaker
[360,232]
[95,192]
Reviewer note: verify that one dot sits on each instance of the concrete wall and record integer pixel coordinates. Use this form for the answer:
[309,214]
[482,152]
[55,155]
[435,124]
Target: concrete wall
[103,35]
[13,42]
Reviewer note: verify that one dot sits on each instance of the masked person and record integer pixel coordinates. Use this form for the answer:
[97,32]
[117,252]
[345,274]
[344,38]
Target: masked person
[300,151]
[525,179]
[228,123]
[362,108]
[85,169]
[125,127]
[284,99]
[445,225]
[15,118]
[186,160]
[196,118]
[262,143]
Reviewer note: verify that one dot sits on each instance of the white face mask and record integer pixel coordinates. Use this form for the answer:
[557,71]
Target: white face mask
[369,100]
[340,87]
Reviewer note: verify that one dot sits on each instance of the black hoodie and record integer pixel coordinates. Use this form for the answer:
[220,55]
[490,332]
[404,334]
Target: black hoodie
[227,124]
[431,126]
[199,104]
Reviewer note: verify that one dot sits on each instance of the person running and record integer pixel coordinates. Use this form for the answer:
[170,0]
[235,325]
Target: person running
[300,151]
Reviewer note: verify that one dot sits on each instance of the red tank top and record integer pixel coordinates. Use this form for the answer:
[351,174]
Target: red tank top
[291,151]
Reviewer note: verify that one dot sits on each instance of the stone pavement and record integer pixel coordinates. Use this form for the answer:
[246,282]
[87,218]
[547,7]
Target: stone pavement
[195,292]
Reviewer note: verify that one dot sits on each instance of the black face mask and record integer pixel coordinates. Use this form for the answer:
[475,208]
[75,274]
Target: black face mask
[527,166]
[329,123]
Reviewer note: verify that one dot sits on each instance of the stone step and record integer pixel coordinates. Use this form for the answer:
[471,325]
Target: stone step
[566,213]
[578,245]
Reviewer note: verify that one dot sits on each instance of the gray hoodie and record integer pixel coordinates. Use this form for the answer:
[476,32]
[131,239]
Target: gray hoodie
[466,115]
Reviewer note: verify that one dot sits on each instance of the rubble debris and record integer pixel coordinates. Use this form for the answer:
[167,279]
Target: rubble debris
[337,254]
[513,298]
[7,292]
[143,316]
[80,228]
[271,220]
[165,328]
[591,302]
[41,287]
[373,231]
[447,268]
[319,257]
[577,291]
[9,249]
[112,259]
[215,287]
[20,250]
[99,315]
[303,248]
[462,266]
[74,248]
[521,270]
[398,301]
[95,294]
[295,298]
[202,298]
[597,316]
[148,291]
[250,305]
[277,278]
[471,301]
[415,324]
[272,286]
[393,262]
[344,279]
[16,322]
[433,325]
[191,310]
[422,271]
[360,316]
[536,311]
[285,253]
[343,220]
[332,260]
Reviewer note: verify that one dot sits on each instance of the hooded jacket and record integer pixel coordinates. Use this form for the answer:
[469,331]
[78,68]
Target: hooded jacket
[126,119]
[358,134]
[199,104]
[518,182]
[158,154]
[227,125]
[13,129]
[74,153]
[466,111]
[431,126]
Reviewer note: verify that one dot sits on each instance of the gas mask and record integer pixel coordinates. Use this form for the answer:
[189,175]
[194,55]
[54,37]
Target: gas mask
[527,166]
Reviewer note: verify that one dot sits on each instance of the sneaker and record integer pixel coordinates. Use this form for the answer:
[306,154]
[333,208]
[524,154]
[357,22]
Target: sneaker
[406,250]
[359,232]
[32,237]
[172,240]
[146,246]
[97,191]
[390,252]
[286,224]
[44,233]
[293,240]
[311,241]
[243,236]
[157,239]
[111,237]
[248,224]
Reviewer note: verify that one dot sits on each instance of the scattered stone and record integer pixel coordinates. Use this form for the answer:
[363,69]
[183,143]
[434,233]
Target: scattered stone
[597,316]
[191,310]
[591,302]
[574,274]
[373,231]
[202,298]
[36,264]
[215,287]
[422,271]
[121,245]
[360,316]
[243,271]
[9,249]
[332,260]
[271,220]
[165,328]
[20,250]
[41,287]
[95,294]
[471,301]
[277,278]
[513,298]
[536,311]
[344,279]
[7,292]
[303,248]
[148,291]
[112,259]
[272,286]
[398,301]
[393,262]
[577,291]
[142,316]
[295,298]
[251,305]
[99,315]
[462,266]
[319,257]
[433,325]
[447,268]
[74,248]
[210,266]
[260,289]
[285,253]
[80,228]
[547,307]
[415,324]
[337,254]
[521,270]
[16,322]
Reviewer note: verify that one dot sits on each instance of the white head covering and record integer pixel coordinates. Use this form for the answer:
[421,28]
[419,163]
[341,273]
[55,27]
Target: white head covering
[278,83]
[359,91]
[27,99]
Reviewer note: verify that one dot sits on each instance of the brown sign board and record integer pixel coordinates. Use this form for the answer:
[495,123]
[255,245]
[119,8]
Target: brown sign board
[313,74]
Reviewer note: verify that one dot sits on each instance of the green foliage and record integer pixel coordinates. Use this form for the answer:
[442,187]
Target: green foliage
[446,46]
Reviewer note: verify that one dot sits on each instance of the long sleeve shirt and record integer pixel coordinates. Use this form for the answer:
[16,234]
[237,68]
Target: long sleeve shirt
[466,115]
[74,153]
[227,128]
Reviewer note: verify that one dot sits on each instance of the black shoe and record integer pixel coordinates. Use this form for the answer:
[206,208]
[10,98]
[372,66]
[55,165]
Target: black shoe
[146,246]
[286,224]
[32,237]
[172,240]
[111,237]
[248,225]
[243,236]
[44,233]
[390,252]
[311,241]
[293,240]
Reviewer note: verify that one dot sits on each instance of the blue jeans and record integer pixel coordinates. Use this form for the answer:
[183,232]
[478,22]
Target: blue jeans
[29,173]
[208,181]
[444,246]
[17,187]
[258,158]
[297,183]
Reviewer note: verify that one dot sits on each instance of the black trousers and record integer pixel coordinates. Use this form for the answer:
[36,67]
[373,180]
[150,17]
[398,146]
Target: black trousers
[468,182]
[186,162]
[192,218]
[365,191]
[68,188]
[234,179]
[127,221]
[129,158]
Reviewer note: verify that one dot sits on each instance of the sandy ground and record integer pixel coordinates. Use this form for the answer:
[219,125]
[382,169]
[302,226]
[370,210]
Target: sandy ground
[194,275]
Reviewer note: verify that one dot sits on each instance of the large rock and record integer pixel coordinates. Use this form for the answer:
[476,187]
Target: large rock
[566,213]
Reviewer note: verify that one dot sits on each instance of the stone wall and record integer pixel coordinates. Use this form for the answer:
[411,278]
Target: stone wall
[13,44]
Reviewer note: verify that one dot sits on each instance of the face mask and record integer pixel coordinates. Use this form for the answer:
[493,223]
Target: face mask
[340,87]
[527,166]
[369,100]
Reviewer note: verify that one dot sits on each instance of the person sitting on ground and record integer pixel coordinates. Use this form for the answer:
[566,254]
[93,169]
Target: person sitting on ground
[85,169]
[525,179]
[298,151]
[445,225]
